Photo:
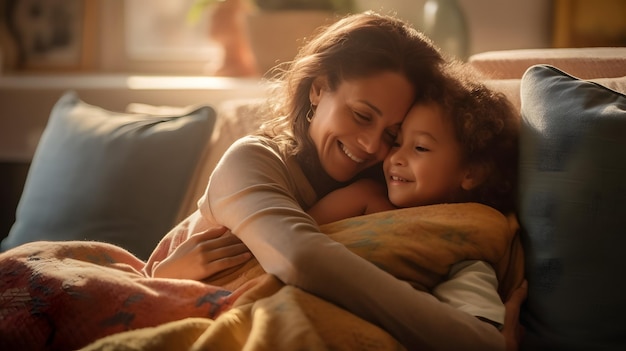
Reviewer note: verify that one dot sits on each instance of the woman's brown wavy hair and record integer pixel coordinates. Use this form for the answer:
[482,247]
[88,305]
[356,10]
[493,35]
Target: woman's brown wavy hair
[355,46]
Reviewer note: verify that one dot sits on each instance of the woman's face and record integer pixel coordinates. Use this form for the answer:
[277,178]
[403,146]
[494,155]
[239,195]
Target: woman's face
[354,126]
[425,165]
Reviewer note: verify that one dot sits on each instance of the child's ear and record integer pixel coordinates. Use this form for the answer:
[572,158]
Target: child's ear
[476,175]
[319,85]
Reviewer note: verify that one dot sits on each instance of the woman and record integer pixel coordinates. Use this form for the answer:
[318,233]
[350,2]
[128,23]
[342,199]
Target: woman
[340,108]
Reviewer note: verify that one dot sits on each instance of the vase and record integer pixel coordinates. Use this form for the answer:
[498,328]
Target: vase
[444,22]
[229,29]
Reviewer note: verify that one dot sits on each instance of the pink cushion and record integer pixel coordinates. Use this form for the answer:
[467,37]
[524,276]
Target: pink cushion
[584,63]
[509,87]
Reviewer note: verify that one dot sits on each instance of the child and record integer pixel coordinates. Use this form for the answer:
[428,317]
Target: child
[458,147]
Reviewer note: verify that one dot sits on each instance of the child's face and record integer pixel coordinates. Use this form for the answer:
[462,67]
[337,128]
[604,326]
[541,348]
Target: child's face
[425,166]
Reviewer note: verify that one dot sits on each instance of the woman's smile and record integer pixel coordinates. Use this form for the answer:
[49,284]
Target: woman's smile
[350,154]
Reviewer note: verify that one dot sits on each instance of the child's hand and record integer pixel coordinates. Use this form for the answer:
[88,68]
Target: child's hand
[513,331]
[203,255]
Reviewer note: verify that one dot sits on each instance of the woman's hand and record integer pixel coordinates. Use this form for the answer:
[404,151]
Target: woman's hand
[203,255]
[513,331]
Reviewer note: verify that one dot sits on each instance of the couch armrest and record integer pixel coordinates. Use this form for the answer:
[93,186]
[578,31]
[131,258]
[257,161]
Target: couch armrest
[584,63]
[235,118]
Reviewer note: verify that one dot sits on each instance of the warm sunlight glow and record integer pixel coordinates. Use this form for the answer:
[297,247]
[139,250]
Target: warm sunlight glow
[132,82]
[188,83]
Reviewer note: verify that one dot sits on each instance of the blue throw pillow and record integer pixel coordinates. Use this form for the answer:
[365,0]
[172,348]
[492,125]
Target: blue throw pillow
[573,212]
[109,176]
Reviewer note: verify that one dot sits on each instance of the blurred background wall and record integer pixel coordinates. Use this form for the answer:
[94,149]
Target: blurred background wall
[156,36]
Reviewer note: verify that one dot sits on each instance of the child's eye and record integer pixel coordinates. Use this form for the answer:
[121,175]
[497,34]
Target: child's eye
[421,149]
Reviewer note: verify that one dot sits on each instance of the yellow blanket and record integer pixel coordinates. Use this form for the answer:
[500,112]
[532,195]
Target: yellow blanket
[420,245]
[91,295]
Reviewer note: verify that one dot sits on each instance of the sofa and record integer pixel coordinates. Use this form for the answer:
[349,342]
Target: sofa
[127,177]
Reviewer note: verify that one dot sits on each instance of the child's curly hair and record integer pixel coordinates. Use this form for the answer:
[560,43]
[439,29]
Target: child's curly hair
[487,126]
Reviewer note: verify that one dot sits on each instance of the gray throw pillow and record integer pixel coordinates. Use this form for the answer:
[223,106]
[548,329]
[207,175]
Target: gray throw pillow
[573,212]
[109,176]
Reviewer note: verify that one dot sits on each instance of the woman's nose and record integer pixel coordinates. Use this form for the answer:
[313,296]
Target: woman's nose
[370,141]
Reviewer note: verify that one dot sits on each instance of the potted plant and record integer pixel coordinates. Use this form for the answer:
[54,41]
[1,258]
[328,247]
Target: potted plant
[258,34]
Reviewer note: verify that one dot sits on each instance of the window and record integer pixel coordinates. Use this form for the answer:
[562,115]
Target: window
[160,30]
[155,36]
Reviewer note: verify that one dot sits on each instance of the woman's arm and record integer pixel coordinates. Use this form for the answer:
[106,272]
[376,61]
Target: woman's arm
[259,196]
[416,318]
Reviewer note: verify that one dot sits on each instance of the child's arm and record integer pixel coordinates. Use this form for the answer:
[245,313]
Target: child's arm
[472,286]
[361,197]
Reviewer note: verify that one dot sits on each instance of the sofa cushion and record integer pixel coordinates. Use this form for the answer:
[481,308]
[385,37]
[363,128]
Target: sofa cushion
[238,117]
[109,176]
[573,211]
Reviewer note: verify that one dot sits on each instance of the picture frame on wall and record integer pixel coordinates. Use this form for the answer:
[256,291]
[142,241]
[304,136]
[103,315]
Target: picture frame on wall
[583,23]
[52,35]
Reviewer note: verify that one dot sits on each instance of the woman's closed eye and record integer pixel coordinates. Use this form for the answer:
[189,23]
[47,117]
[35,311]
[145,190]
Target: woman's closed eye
[362,117]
